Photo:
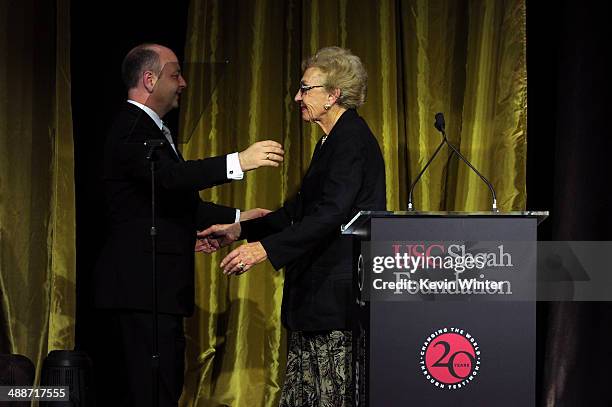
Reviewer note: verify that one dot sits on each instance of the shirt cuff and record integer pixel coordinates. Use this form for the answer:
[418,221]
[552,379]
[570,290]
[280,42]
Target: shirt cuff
[233,167]
[237,216]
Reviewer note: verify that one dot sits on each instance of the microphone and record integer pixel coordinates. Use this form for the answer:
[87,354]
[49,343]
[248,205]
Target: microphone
[410,207]
[151,145]
[154,143]
[439,125]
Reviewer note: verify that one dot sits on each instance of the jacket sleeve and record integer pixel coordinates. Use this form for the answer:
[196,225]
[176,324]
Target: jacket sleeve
[209,213]
[335,204]
[169,173]
[274,222]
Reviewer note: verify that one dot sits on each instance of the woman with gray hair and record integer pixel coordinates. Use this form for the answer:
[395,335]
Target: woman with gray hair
[346,175]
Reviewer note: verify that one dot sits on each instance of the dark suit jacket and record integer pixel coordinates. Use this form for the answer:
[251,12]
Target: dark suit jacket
[346,175]
[123,273]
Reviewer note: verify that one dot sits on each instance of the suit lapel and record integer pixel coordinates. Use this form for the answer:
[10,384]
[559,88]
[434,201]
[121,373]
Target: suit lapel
[178,152]
[143,120]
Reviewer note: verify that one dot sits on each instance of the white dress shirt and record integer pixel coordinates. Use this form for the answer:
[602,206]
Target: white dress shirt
[232,163]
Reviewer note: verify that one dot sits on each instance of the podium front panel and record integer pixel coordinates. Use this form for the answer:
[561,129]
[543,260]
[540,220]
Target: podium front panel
[439,352]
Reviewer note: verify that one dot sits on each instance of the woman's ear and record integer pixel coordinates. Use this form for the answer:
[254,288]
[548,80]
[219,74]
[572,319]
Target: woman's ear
[334,96]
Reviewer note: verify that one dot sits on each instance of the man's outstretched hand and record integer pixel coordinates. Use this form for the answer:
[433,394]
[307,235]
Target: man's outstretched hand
[212,239]
[266,153]
[217,236]
[206,245]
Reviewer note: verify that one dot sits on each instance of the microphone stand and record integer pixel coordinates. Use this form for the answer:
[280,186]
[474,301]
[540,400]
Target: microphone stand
[465,160]
[439,125]
[410,207]
[151,146]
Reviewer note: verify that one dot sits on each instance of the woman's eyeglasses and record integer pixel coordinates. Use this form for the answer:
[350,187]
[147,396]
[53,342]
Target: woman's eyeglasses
[305,88]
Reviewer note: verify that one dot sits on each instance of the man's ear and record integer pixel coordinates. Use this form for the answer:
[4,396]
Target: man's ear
[148,80]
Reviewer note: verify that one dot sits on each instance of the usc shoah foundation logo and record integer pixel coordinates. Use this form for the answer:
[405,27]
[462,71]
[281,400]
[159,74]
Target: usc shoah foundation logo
[450,358]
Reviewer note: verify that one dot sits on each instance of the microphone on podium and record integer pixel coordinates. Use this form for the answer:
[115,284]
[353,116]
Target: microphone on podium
[410,206]
[440,124]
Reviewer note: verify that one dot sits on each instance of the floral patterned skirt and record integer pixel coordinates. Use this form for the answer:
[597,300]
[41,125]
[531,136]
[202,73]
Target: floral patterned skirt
[318,370]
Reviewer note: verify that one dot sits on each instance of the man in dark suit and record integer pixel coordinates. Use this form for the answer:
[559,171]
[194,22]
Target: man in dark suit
[123,279]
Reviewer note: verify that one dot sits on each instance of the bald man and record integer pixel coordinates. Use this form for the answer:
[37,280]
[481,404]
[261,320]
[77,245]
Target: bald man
[123,283]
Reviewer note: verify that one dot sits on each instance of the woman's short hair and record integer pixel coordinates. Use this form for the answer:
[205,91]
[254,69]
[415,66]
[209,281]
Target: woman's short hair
[343,71]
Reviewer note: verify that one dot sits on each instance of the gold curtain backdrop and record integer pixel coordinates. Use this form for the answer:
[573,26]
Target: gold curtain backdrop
[37,212]
[463,58]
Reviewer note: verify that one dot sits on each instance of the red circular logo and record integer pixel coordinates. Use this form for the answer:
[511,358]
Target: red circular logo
[450,358]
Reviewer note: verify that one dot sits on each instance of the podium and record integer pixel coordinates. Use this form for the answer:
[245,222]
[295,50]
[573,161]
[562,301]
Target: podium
[445,308]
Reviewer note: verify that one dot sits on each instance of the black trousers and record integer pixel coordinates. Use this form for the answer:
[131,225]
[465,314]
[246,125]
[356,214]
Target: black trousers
[123,368]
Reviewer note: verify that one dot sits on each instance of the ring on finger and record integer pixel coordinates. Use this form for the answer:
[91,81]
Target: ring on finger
[267,156]
[241,265]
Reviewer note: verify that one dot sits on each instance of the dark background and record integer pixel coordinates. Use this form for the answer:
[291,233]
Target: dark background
[567,169]
[568,173]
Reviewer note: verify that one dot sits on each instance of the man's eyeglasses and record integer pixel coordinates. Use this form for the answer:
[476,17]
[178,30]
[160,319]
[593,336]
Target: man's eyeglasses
[305,88]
